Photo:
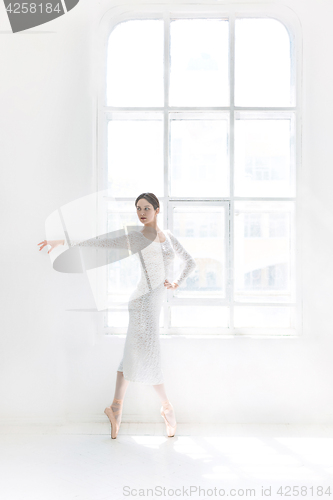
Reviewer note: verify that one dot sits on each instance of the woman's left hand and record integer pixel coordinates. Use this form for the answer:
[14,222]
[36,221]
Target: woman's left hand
[170,285]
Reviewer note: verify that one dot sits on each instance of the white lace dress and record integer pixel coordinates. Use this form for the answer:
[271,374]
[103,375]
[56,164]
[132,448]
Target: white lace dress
[141,361]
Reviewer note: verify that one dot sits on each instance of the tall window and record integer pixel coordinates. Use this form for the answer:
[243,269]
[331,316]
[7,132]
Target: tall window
[201,111]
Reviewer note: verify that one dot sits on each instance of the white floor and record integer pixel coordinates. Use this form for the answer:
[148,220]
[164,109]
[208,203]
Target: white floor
[82,462]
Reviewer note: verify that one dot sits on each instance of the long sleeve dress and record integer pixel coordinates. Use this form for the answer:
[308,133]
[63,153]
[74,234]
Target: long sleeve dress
[141,361]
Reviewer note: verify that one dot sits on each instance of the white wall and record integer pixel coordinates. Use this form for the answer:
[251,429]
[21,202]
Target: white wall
[50,368]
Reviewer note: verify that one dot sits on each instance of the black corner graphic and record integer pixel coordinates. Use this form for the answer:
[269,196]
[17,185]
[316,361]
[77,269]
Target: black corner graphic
[24,15]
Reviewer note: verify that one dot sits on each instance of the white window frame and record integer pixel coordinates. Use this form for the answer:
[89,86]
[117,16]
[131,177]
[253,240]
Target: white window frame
[119,14]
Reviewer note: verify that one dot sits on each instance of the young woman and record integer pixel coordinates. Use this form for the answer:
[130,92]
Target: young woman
[141,361]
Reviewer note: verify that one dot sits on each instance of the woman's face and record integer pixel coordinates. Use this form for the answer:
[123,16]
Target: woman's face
[145,211]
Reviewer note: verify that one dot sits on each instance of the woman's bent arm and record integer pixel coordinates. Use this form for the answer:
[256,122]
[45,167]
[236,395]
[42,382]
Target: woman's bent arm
[185,256]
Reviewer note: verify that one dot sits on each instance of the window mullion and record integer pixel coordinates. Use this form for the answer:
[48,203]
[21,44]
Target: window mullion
[166,221]
[231,160]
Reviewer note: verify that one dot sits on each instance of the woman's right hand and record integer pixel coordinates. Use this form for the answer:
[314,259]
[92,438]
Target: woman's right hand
[52,243]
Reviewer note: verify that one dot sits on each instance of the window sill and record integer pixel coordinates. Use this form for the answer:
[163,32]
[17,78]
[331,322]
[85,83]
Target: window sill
[266,334]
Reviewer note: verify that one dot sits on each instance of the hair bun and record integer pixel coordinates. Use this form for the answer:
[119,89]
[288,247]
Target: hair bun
[151,198]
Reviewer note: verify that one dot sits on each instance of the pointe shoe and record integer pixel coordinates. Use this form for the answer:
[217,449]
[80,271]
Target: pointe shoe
[111,414]
[170,430]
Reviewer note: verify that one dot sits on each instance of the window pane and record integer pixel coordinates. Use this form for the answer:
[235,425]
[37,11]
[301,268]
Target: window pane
[263,158]
[264,317]
[120,214]
[199,316]
[263,251]
[199,62]
[201,230]
[135,64]
[135,157]
[199,157]
[262,63]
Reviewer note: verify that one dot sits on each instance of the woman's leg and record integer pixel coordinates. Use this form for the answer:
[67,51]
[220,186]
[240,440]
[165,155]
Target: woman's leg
[160,389]
[169,412]
[121,386]
[119,394]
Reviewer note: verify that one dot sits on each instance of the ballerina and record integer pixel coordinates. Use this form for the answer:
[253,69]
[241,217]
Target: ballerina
[141,361]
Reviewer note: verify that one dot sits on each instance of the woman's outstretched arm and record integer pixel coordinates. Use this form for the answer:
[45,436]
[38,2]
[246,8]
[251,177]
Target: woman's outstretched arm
[131,241]
[52,243]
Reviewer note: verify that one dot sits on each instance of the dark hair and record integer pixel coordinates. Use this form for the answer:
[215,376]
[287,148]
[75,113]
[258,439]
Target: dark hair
[151,198]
